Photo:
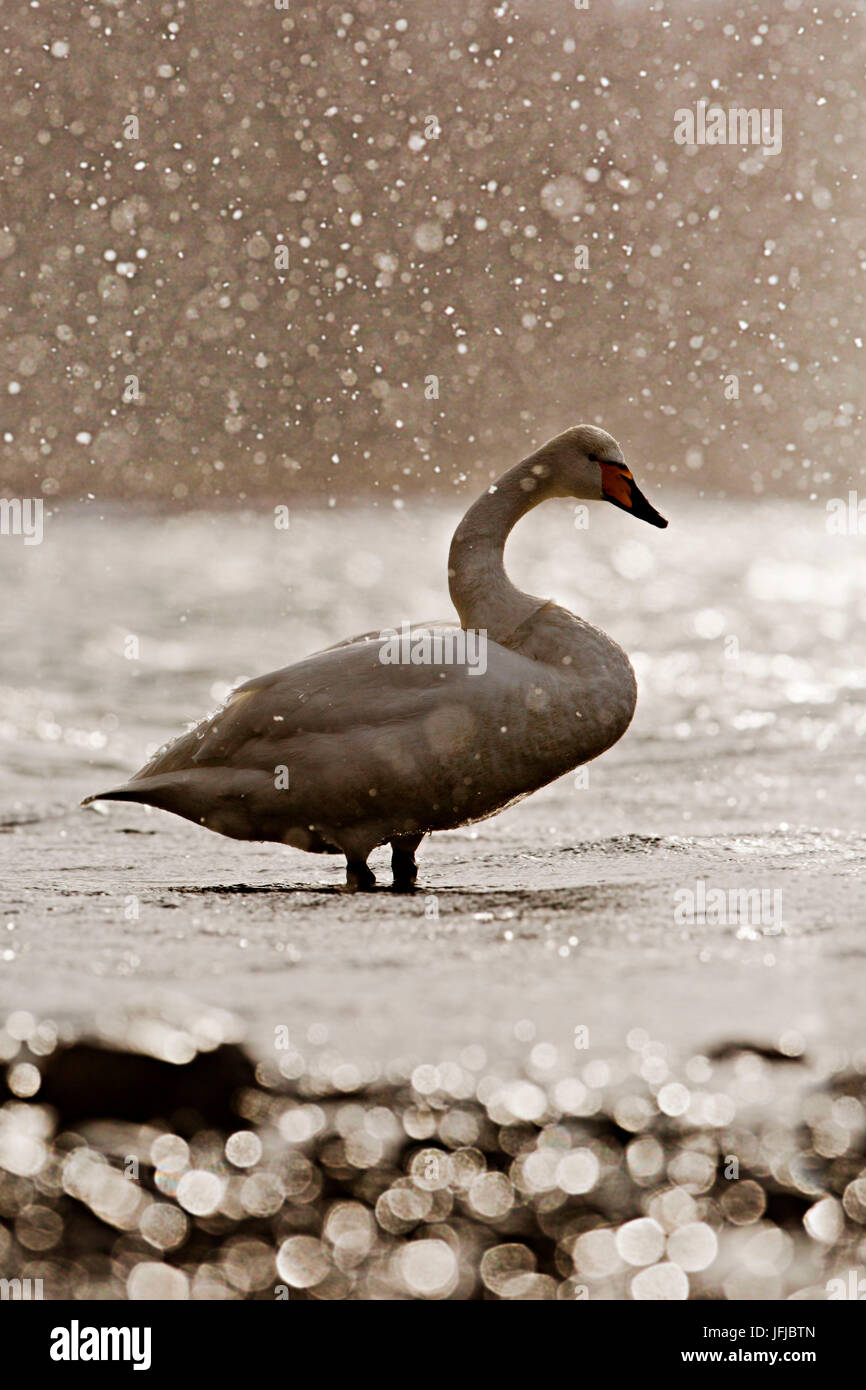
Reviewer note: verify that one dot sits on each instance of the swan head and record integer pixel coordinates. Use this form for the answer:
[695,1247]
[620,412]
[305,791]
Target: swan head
[587,462]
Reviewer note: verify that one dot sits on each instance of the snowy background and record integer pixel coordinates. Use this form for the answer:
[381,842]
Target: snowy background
[428,171]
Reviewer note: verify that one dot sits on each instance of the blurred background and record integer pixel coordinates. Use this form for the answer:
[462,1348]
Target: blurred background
[330,250]
[352,260]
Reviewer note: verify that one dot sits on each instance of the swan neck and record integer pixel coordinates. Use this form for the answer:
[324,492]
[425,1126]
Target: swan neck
[480,589]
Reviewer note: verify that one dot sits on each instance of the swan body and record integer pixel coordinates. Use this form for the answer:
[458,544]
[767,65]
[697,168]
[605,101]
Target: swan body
[352,748]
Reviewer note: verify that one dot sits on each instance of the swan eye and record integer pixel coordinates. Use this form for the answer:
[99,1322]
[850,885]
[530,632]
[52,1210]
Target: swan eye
[593,458]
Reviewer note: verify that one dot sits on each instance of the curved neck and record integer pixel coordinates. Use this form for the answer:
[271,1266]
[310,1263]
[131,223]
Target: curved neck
[480,589]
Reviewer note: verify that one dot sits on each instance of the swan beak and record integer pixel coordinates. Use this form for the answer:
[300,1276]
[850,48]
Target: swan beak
[620,488]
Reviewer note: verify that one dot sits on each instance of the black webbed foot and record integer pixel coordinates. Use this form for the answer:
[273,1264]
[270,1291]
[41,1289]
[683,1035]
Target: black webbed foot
[403,865]
[359,877]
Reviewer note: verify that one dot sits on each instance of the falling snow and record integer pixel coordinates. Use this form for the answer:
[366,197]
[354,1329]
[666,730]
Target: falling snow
[315,210]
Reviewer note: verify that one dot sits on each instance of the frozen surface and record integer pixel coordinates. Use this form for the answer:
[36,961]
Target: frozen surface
[742,768]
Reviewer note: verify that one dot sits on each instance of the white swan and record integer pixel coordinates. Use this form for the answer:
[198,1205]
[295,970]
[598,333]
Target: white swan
[345,751]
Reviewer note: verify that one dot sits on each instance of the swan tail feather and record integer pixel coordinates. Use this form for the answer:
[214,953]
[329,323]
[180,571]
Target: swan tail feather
[147,791]
[118,794]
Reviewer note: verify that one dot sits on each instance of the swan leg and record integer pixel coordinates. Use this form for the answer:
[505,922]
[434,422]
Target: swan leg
[359,877]
[403,864]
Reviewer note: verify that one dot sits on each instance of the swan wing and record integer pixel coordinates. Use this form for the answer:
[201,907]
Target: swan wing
[351,746]
[345,687]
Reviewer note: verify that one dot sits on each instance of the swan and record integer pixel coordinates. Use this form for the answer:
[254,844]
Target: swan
[370,742]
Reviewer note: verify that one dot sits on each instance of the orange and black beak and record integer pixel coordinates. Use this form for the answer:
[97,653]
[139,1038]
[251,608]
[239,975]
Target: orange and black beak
[620,488]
